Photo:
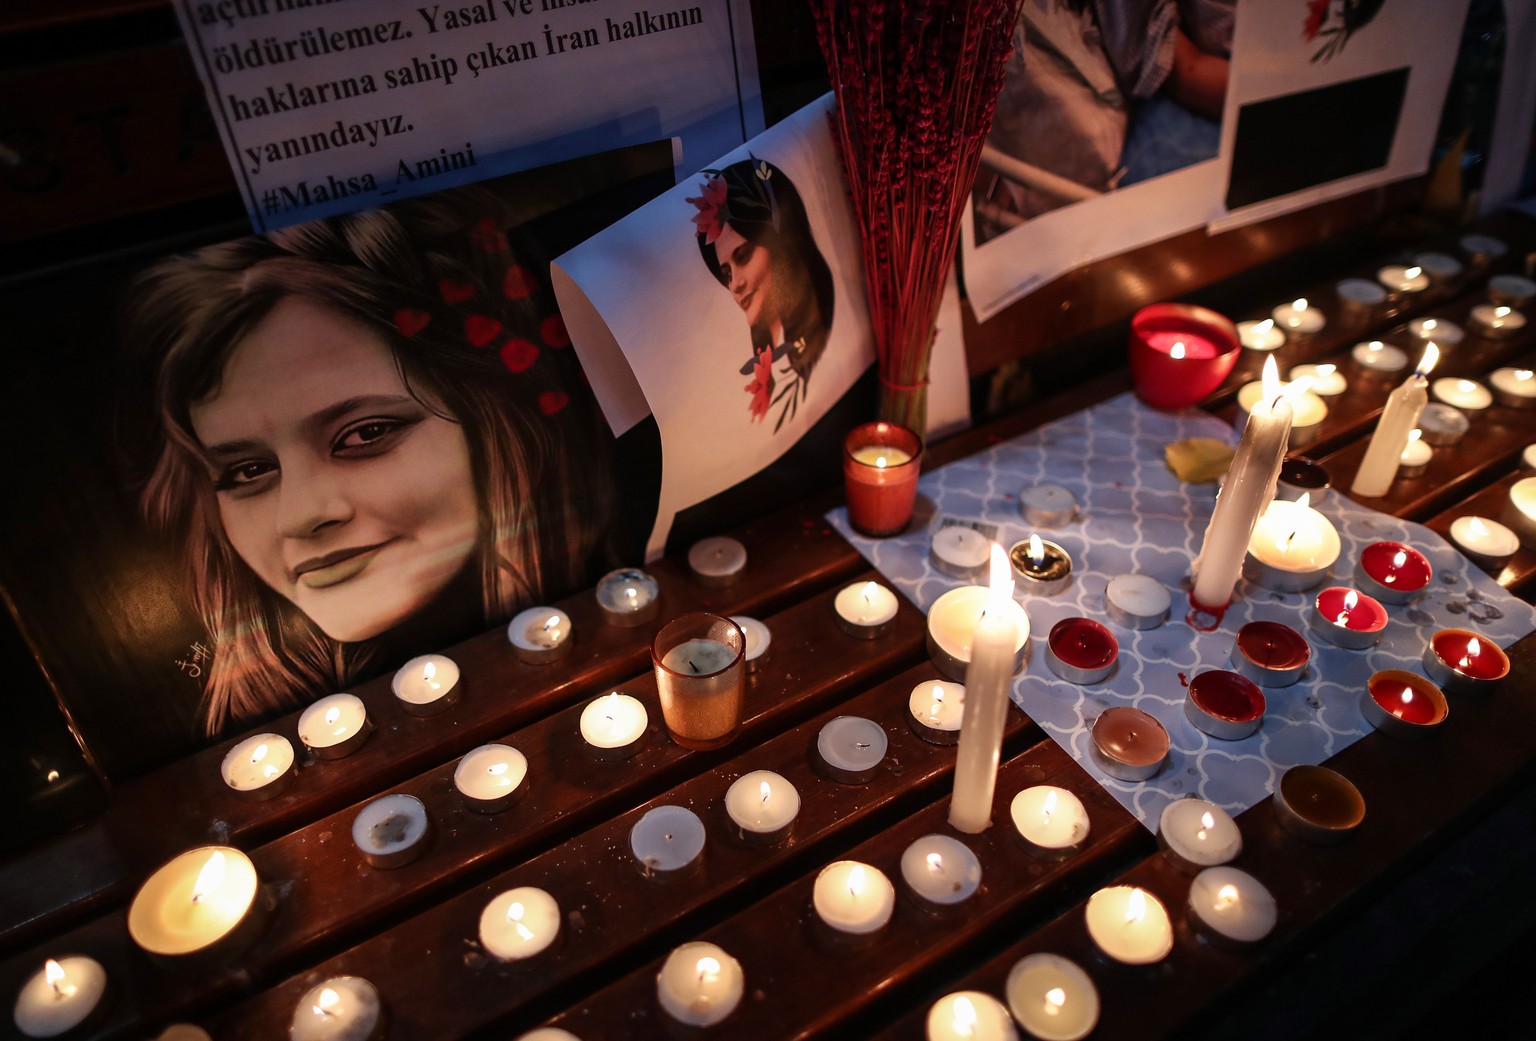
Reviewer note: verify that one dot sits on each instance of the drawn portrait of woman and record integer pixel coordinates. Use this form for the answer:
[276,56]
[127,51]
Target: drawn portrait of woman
[369,445]
[755,238]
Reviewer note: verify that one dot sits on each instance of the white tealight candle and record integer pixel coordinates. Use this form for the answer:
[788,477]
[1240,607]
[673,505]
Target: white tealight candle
[1400,278]
[1129,925]
[519,923]
[629,597]
[941,870]
[183,1032]
[935,709]
[195,902]
[547,1034]
[1528,457]
[1497,319]
[1324,380]
[1261,336]
[851,748]
[1047,506]
[952,622]
[1292,546]
[540,635]
[1232,907]
[1482,248]
[865,609]
[698,657]
[1137,601]
[1467,395]
[392,830]
[490,777]
[427,684]
[1416,456]
[342,1008]
[699,984]
[258,765]
[1511,290]
[969,1015]
[1359,297]
[1052,997]
[1050,820]
[959,551]
[1487,542]
[1520,510]
[666,839]
[614,725]
[1514,387]
[1441,267]
[759,639]
[335,726]
[59,996]
[1379,357]
[1441,425]
[853,898]
[763,805]
[1198,834]
[1299,318]
[717,561]
[1442,331]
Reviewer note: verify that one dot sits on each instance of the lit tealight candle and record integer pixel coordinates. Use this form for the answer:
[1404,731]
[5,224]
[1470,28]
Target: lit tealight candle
[1137,601]
[1347,618]
[1486,542]
[1403,704]
[1052,821]
[628,597]
[969,1015]
[1040,567]
[1047,506]
[59,996]
[851,749]
[392,830]
[540,635]
[666,840]
[1198,834]
[259,766]
[335,726]
[1308,410]
[1392,572]
[1052,998]
[1520,510]
[865,609]
[197,902]
[1416,456]
[935,709]
[1129,925]
[342,1008]
[1261,336]
[1497,320]
[519,923]
[1380,357]
[763,806]
[1462,662]
[1324,380]
[717,561]
[940,870]
[1403,279]
[614,725]
[427,684]
[1442,331]
[1318,805]
[959,551]
[1292,547]
[759,639]
[699,984]
[952,623]
[1467,395]
[491,777]
[853,898]
[1514,387]
[1231,907]
[1299,318]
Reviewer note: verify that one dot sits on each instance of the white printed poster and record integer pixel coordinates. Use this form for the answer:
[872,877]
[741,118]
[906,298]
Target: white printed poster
[733,309]
[328,108]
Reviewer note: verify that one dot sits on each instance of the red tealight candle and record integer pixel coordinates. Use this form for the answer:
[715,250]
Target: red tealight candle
[1224,705]
[1347,618]
[1403,704]
[1462,662]
[881,462]
[1081,650]
[1129,743]
[1393,572]
[1180,353]
[1271,654]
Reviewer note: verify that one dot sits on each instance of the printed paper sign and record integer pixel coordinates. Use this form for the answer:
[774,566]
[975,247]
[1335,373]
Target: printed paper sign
[328,108]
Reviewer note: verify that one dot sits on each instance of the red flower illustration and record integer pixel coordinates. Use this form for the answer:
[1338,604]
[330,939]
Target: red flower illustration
[480,330]
[519,355]
[554,332]
[1317,11]
[455,292]
[552,401]
[487,237]
[761,387]
[518,283]
[410,322]
[710,220]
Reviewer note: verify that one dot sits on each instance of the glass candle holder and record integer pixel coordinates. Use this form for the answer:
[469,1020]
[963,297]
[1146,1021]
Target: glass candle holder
[1180,353]
[880,469]
[700,661]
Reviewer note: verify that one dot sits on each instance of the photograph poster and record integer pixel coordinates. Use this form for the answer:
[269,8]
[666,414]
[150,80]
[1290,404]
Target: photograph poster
[1105,138]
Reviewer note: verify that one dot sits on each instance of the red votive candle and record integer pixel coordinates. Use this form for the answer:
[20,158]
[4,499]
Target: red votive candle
[1403,704]
[880,469]
[1129,744]
[1348,618]
[1224,705]
[1392,572]
[1180,353]
[1463,662]
[1271,654]
[1080,650]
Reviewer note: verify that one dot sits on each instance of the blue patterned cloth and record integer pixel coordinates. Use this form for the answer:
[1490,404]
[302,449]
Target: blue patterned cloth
[1136,516]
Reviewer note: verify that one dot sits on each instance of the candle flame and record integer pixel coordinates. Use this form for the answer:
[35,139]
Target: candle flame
[631,592]
[1299,304]
[260,753]
[965,1016]
[1269,380]
[1524,374]
[1474,649]
[708,969]
[1465,386]
[332,714]
[938,700]
[554,620]
[869,590]
[1263,327]
[1430,359]
[1414,435]
[1135,906]
[53,972]
[515,911]
[764,791]
[1326,370]
[209,877]
[1055,998]
[1049,806]
[327,1001]
[1428,325]
[1407,695]
[1375,346]
[1399,559]
[1477,528]
[1297,387]
[1036,550]
[1226,896]
[880,462]
[1207,822]
[1177,350]
[856,880]
[935,863]
[1501,311]
[1413,272]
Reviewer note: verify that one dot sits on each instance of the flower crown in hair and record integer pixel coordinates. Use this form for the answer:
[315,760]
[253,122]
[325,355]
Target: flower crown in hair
[713,202]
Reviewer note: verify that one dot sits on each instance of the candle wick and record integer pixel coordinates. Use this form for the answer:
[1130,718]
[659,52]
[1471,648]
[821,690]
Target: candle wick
[861,744]
[692,666]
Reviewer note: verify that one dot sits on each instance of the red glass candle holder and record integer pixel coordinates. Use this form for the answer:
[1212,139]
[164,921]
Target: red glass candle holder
[880,469]
[1180,353]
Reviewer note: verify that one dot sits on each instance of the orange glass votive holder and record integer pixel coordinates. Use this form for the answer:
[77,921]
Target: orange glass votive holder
[880,468]
[700,662]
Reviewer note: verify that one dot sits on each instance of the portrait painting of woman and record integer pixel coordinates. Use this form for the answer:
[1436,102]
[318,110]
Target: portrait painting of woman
[755,238]
[370,443]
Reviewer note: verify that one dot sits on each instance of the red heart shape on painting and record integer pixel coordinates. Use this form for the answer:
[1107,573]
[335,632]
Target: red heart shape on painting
[552,401]
[410,322]
[455,292]
[480,330]
[518,283]
[487,237]
[519,355]
[554,332]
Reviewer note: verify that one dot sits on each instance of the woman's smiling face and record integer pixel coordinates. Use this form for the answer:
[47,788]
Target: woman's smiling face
[336,486]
